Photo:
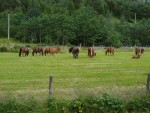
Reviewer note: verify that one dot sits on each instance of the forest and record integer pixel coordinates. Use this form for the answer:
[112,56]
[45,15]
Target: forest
[72,22]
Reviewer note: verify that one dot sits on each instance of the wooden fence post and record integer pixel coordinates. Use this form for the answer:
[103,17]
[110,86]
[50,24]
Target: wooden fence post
[50,85]
[148,83]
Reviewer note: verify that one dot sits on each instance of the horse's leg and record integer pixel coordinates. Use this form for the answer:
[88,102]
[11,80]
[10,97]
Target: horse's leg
[73,55]
[20,52]
[45,53]
[27,53]
[32,53]
[76,55]
[112,53]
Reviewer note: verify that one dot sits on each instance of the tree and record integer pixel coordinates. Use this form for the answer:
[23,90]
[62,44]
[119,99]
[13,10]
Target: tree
[98,5]
[9,5]
[124,28]
[141,32]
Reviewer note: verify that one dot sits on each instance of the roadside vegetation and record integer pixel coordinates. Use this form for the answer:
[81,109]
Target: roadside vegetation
[103,104]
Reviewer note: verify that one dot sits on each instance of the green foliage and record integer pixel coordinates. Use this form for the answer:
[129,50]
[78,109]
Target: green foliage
[139,104]
[13,106]
[141,32]
[103,104]
[75,21]
[3,49]
[51,105]
[76,106]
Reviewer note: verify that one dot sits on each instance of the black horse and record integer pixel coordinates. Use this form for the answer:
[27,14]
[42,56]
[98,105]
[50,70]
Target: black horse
[74,51]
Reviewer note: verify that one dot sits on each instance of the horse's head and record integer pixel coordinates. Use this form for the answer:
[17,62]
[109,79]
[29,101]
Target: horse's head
[142,50]
[70,49]
[32,53]
[57,49]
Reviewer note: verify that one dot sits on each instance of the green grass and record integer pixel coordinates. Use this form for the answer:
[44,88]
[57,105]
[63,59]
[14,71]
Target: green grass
[116,75]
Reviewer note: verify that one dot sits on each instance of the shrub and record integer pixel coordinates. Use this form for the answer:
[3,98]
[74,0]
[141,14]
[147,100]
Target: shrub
[76,106]
[139,104]
[15,49]
[3,49]
[103,104]
[51,105]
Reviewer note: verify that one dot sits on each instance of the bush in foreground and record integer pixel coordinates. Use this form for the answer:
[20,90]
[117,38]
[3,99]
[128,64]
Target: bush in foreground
[103,104]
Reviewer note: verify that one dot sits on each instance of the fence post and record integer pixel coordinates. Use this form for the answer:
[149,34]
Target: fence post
[50,84]
[148,83]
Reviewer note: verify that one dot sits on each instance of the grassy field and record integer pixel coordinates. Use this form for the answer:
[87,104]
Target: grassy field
[116,75]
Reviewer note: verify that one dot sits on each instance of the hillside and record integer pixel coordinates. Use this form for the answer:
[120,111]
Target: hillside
[87,22]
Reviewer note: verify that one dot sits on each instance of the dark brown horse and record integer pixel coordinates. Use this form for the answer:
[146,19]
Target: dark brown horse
[51,50]
[136,57]
[91,52]
[37,50]
[74,51]
[139,51]
[109,50]
[24,51]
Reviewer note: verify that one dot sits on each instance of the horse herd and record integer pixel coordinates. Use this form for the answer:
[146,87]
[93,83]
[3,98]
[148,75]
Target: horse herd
[24,51]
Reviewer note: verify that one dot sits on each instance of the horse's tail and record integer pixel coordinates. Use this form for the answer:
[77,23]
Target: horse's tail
[20,52]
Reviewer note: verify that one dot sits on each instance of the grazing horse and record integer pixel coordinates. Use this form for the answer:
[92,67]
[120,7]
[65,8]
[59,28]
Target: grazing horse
[37,50]
[24,51]
[136,57]
[74,51]
[51,50]
[109,50]
[91,52]
[139,51]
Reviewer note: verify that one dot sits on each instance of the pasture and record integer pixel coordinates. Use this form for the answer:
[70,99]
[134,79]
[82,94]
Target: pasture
[116,75]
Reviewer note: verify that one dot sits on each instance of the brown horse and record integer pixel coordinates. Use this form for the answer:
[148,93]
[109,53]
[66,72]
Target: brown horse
[51,50]
[91,52]
[139,51]
[109,50]
[37,50]
[24,51]
[136,57]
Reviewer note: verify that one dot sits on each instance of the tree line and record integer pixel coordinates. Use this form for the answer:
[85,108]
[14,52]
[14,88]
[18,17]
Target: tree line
[87,22]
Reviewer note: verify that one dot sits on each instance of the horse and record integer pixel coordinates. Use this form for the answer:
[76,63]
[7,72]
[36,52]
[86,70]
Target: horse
[91,52]
[24,51]
[139,51]
[109,50]
[136,57]
[74,51]
[51,50]
[37,50]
